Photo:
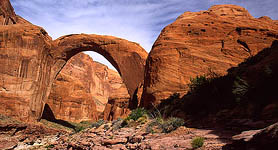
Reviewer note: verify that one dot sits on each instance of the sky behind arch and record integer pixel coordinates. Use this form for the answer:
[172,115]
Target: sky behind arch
[136,20]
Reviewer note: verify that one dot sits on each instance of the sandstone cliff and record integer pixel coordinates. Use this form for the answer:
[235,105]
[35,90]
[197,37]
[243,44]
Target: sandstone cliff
[25,70]
[30,61]
[118,102]
[198,42]
[244,99]
[82,89]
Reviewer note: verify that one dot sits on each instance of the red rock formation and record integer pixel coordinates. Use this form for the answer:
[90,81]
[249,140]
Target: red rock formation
[116,108]
[196,42]
[110,85]
[127,57]
[30,61]
[118,102]
[82,89]
[70,98]
[25,70]
[8,16]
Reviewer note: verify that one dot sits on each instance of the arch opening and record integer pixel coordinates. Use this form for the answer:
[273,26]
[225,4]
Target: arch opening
[127,57]
[82,89]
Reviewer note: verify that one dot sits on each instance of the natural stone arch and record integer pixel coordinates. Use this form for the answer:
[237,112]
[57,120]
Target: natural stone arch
[127,57]
[36,61]
[30,60]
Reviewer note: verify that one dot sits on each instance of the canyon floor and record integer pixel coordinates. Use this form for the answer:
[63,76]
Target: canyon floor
[104,135]
[14,135]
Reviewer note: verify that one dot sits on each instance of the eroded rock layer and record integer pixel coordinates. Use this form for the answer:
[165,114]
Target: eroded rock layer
[25,72]
[116,108]
[82,89]
[201,42]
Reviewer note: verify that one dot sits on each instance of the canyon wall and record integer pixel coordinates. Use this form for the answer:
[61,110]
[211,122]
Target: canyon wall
[82,89]
[201,42]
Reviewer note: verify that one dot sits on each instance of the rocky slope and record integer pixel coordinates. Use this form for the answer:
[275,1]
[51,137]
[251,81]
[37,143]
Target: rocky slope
[200,42]
[135,138]
[107,136]
[15,134]
[82,89]
[110,135]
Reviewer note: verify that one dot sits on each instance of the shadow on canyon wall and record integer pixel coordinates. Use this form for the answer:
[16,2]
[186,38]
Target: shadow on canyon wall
[49,116]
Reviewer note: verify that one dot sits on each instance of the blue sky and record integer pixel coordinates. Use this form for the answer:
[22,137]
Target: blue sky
[136,20]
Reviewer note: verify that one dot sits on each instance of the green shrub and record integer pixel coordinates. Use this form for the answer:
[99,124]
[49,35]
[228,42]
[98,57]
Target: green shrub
[85,122]
[98,123]
[171,124]
[136,114]
[197,142]
[198,82]
[139,114]
[156,122]
[165,126]
[49,146]
[149,128]
[79,128]
[106,127]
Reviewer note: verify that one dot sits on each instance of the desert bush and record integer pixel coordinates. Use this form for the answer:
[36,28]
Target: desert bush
[171,124]
[136,114]
[79,128]
[98,123]
[150,126]
[117,124]
[197,142]
[48,147]
[155,123]
[198,82]
[165,126]
[86,123]
[203,81]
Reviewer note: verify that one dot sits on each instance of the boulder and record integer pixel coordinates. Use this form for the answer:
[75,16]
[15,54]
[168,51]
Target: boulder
[256,139]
